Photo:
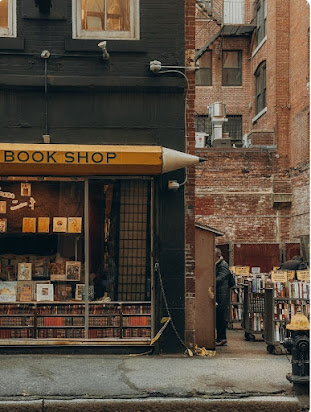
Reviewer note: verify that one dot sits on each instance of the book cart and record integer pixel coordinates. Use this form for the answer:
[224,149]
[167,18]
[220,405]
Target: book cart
[66,320]
[254,307]
[282,301]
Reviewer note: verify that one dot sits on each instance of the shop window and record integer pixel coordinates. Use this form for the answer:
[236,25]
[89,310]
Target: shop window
[234,128]
[231,68]
[261,20]
[106,19]
[260,76]
[8,18]
[203,76]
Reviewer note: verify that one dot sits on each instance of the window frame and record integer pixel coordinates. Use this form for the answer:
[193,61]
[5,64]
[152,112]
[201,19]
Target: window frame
[79,33]
[260,87]
[205,70]
[240,56]
[11,31]
[261,18]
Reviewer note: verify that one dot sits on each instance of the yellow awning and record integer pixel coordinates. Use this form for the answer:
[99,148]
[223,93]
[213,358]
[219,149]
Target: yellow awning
[89,160]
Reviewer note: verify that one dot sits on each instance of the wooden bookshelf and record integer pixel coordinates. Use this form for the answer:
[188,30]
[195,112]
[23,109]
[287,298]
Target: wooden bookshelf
[66,320]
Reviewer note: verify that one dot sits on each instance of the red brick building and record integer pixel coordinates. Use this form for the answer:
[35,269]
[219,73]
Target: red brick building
[253,56]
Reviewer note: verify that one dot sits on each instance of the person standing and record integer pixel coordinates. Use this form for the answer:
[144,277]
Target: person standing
[222,298]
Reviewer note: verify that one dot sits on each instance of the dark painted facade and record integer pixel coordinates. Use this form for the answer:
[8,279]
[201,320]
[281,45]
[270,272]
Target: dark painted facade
[77,97]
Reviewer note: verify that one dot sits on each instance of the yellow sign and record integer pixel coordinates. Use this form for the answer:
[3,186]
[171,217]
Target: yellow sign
[290,274]
[87,160]
[242,270]
[303,275]
[279,276]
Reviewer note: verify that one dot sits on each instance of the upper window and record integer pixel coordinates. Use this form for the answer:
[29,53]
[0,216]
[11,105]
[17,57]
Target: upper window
[260,76]
[261,20]
[106,19]
[203,76]
[231,68]
[7,18]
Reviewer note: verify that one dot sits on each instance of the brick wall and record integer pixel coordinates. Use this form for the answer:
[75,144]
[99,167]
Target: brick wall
[234,189]
[190,186]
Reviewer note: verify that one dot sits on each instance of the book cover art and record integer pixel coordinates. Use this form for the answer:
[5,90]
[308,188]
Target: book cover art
[43,224]
[45,292]
[60,224]
[62,292]
[25,292]
[73,270]
[8,291]
[3,225]
[74,224]
[29,225]
[41,268]
[24,271]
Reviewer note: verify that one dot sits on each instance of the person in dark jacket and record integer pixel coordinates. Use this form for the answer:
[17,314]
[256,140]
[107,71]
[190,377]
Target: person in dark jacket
[222,297]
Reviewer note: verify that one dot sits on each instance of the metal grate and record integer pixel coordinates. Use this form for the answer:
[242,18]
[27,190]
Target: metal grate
[133,261]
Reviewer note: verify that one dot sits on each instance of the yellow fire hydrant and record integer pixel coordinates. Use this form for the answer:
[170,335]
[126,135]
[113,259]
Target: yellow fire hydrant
[298,345]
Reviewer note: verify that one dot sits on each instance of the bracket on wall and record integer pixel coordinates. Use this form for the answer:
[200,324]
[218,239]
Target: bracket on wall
[44,6]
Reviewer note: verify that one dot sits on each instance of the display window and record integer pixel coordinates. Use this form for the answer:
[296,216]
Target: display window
[75,258]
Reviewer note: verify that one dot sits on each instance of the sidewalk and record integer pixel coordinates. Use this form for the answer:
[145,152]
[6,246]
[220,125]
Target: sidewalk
[240,371]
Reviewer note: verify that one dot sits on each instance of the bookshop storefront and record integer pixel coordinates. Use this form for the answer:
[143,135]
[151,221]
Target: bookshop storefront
[76,240]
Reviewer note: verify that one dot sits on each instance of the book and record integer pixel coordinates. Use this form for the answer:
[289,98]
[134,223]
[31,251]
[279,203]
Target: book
[25,291]
[43,224]
[45,292]
[58,276]
[74,224]
[24,271]
[73,270]
[3,225]
[41,269]
[79,291]
[60,224]
[62,292]
[29,224]
[8,291]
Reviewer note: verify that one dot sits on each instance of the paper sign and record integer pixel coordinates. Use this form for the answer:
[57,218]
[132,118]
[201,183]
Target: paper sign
[290,274]
[303,275]
[279,276]
[242,270]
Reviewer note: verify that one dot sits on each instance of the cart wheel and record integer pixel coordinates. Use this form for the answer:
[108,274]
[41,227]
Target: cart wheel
[270,348]
[277,350]
[252,337]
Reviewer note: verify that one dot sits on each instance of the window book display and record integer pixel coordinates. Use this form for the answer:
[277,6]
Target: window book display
[24,271]
[29,224]
[113,320]
[3,225]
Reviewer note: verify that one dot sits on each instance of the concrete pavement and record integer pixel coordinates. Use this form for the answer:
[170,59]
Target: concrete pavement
[242,373]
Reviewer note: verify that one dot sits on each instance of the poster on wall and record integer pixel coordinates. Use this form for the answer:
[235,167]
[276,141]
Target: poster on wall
[29,224]
[43,224]
[60,224]
[2,206]
[74,224]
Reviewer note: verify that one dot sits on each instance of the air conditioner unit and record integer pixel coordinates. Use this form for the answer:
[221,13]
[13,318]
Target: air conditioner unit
[200,139]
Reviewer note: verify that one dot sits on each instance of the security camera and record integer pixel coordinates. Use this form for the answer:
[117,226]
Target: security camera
[45,54]
[103,46]
[155,66]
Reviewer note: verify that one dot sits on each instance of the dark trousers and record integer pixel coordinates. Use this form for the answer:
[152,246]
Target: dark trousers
[221,322]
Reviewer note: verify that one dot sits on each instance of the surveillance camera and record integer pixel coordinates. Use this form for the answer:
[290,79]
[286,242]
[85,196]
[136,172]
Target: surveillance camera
[45,54]
[155,66]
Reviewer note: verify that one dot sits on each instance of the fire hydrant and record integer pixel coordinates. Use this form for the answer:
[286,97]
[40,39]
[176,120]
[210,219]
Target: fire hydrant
[298,345]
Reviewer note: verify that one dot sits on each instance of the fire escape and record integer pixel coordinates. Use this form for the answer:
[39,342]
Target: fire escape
[229,16]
